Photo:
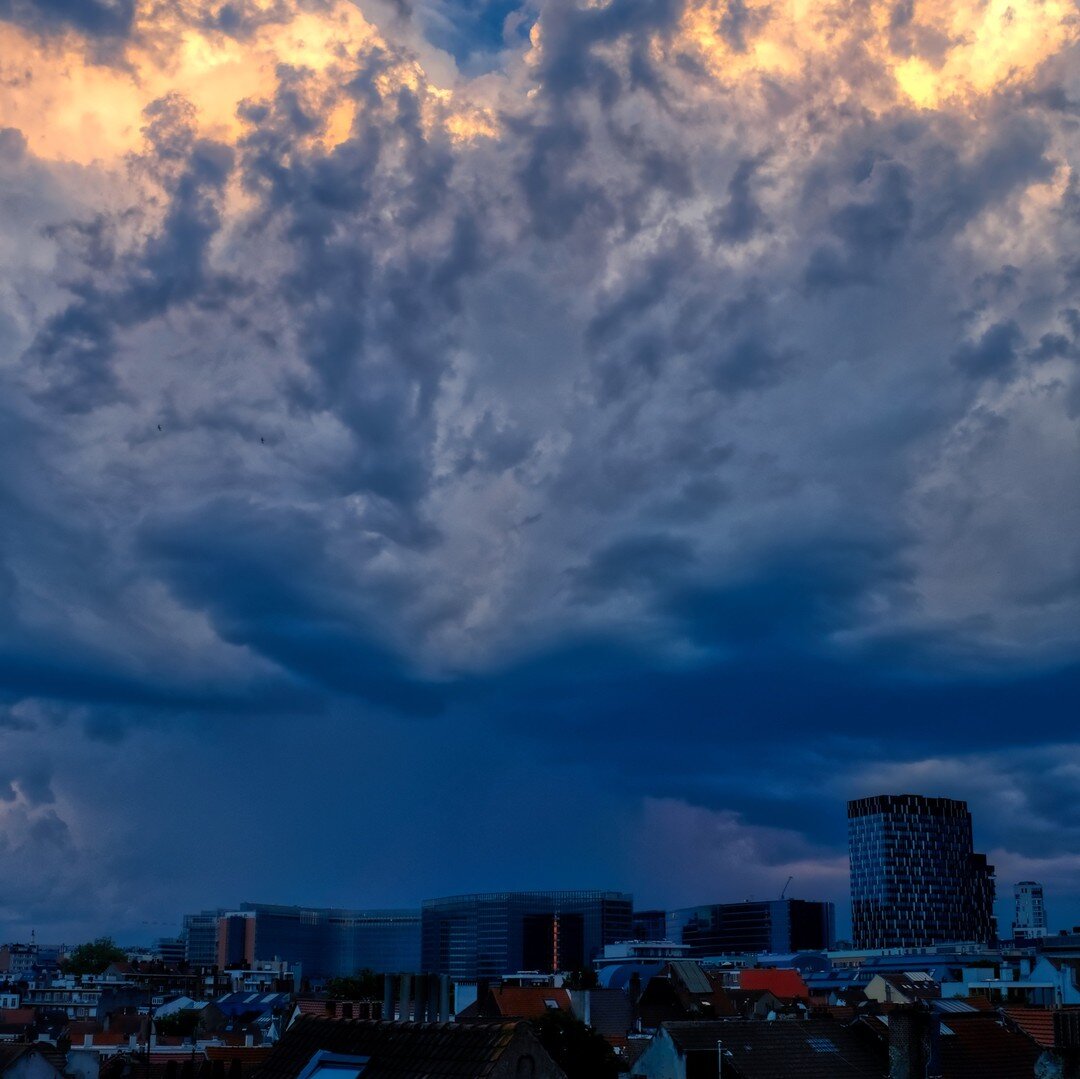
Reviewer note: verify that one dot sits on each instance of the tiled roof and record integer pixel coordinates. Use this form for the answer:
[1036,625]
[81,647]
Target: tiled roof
[1036,1023]
[690,975]
[785,983]
[110,1037]
[611,1014]
[843,1013]
[10,1053]
[610,1011]
[397,1050]
[172,1066]
[339,1009]
[126,1024]
[517,1002]
[979,1046]
[811,1049]
[15,1016]
[249,1058]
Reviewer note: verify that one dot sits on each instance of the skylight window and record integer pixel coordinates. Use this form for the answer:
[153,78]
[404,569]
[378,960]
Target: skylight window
[822,1045]
[324,1065]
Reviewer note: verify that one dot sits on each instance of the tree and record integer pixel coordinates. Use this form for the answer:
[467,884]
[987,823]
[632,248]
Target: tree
[576,1048]
[364,985]
[581,979]
[93,957]
[180,1024]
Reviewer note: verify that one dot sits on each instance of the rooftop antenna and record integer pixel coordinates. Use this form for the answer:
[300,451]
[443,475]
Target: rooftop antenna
[785,887]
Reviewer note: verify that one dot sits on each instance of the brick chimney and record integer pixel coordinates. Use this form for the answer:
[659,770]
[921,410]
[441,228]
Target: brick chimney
[914,1034]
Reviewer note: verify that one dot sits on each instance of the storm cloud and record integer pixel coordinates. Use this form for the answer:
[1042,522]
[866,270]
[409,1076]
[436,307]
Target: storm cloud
[427,405]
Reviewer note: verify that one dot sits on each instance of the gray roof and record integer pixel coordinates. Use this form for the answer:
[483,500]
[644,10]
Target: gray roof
[691,975]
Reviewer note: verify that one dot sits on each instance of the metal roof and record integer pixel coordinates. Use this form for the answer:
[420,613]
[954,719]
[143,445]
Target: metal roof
[691,975]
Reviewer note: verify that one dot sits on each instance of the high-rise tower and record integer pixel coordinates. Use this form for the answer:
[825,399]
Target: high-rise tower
[915,879]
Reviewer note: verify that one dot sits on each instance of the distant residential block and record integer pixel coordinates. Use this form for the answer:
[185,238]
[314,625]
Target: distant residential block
[1030,920]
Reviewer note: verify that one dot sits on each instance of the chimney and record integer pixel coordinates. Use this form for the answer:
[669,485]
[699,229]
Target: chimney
[388,998]
[433,998]
[249,1040]
[913,1043]
[444,998]
[87,1040]
[420,998]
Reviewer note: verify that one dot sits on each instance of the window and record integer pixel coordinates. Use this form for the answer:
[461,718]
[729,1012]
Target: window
[822,1045]
[324,1065]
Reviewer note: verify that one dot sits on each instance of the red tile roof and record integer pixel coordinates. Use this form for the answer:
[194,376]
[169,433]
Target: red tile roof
[781,982]
[524,1002]
[1036,1023]
[246,1054]
[110,1037]
[979,1046]
[17,1015]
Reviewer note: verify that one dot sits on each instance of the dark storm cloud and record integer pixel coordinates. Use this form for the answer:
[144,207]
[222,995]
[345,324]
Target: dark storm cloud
[865,232]
[268,582]
[99,18]
[741,216]
[958,186]
[75,349]
[376,316]
[632,562]
[699,450]
[574,35]
[993,355]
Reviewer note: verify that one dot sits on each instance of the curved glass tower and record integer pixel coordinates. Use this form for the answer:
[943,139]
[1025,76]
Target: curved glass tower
[915,879]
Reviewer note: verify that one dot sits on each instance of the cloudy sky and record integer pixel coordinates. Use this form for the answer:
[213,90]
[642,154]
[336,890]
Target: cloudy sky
[455,444]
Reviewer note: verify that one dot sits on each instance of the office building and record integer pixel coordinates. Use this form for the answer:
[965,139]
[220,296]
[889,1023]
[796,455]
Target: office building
[200,936]
[171,950]
[649,924]
[915,878]
[318,942]
[323,942]
[1030,920]
[778,925]
[487,936]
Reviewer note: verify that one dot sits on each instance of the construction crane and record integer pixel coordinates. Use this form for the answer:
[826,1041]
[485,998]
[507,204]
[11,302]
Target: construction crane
[785,887]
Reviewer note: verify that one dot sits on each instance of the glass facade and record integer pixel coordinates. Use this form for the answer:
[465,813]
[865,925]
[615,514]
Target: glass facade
[650,924]
[200,935]
[487,936]
[332,943]
[915,879]
[780,925]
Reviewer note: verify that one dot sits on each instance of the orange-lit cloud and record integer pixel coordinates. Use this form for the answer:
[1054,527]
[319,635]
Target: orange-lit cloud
[937,52]
[71,108]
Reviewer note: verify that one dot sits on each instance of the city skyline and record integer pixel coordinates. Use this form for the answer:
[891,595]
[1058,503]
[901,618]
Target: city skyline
[1004,904]
[465,445]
